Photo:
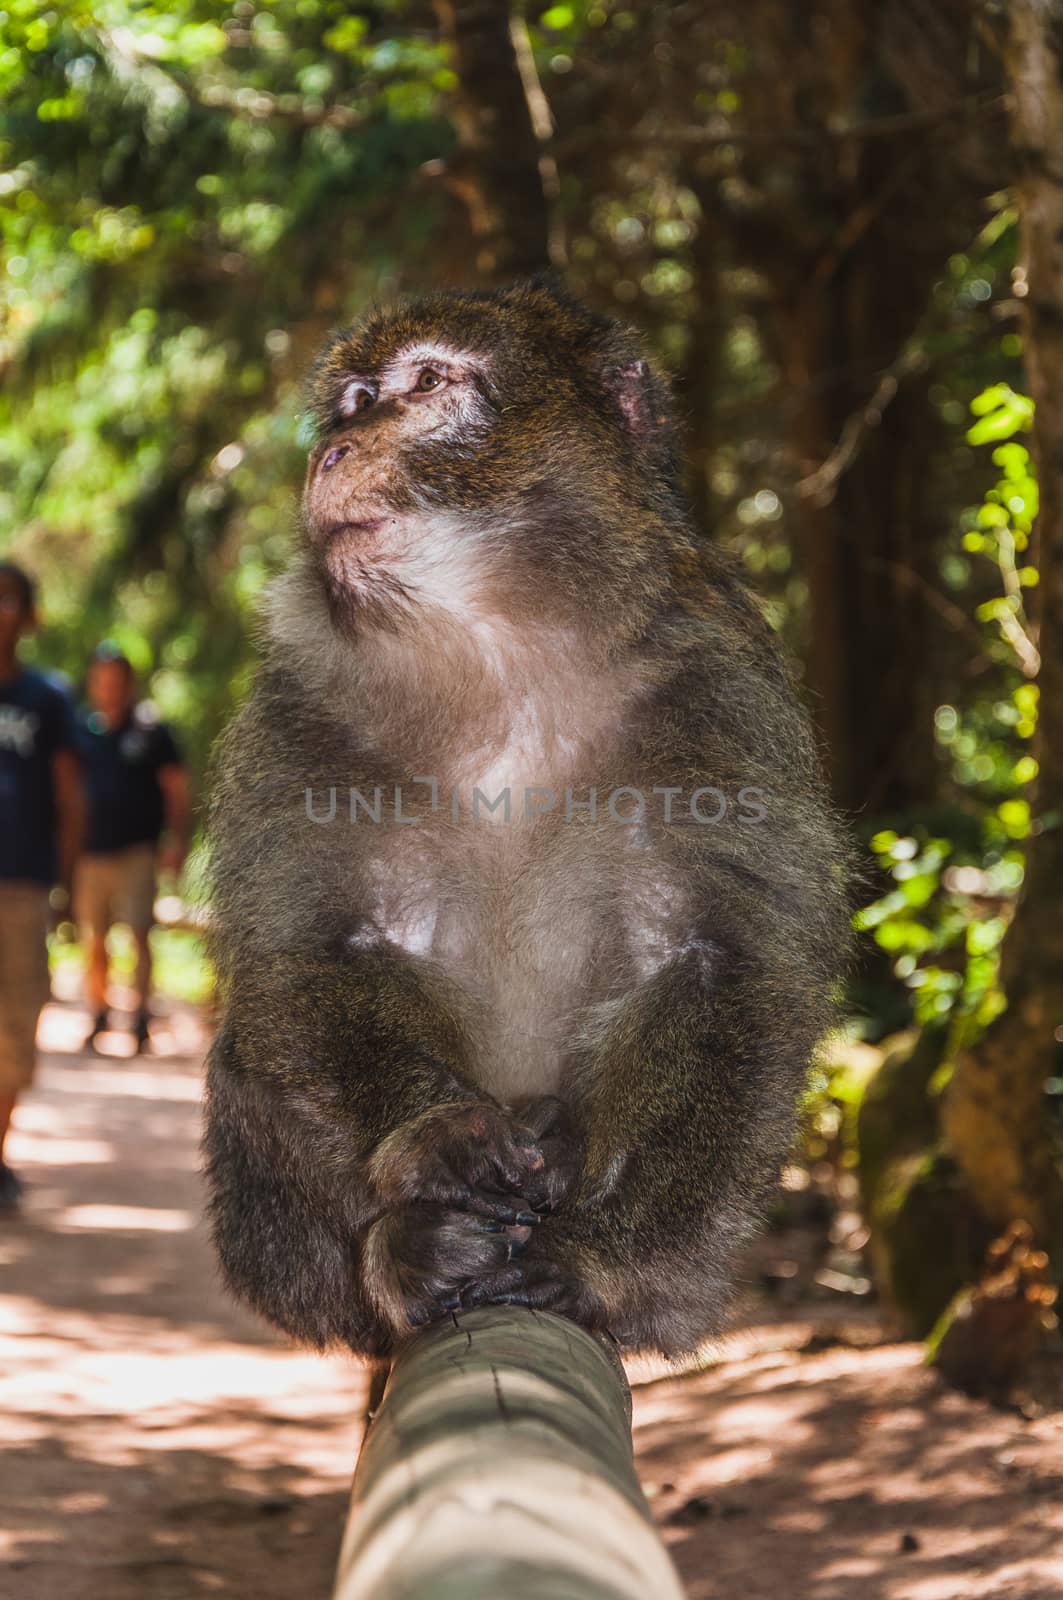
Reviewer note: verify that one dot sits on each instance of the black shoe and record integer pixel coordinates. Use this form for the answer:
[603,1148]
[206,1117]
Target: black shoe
[10,1190]
[141,1032]
[99,1025]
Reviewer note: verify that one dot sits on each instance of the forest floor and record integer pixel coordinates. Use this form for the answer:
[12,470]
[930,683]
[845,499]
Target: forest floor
[159,1443]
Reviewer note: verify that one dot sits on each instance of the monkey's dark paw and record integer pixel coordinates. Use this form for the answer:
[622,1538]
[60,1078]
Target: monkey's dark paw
[417,1260]
[547,1118]
[468,1157]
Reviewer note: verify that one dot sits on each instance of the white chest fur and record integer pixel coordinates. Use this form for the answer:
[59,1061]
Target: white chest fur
[532,914]
[533,928]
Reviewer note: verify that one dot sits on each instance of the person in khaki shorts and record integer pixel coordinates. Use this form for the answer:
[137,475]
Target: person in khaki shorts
[137,795]
[41,813]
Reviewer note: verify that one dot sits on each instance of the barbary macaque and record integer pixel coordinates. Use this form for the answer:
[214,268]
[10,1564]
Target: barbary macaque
[529,907]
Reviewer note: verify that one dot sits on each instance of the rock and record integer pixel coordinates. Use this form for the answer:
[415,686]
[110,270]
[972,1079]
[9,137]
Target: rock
[927,1237]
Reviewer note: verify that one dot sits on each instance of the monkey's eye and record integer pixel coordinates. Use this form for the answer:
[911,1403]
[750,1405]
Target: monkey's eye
[358,395]
[428,380]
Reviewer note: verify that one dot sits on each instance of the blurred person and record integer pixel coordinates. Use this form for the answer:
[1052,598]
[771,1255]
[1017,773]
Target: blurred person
[41,824]
[138,795]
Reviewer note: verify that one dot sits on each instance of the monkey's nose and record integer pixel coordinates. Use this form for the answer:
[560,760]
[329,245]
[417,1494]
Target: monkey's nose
[334,455]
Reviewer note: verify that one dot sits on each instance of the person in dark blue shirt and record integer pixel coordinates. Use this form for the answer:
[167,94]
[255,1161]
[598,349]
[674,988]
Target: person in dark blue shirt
[41,816]
[137,794]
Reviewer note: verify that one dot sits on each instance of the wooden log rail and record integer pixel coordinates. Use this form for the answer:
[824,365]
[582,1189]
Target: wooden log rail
[499,1467]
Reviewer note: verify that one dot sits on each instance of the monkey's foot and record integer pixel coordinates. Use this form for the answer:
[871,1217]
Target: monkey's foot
[540,1284]
[418,1259]
[547,1118]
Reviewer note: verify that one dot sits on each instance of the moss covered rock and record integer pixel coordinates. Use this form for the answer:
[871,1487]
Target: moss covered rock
[927,1238]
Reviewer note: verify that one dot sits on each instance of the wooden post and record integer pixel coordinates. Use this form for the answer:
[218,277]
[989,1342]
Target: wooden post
[499,1468]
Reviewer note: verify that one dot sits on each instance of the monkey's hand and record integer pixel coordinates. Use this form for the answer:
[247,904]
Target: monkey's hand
[541,1272]
[460,1188]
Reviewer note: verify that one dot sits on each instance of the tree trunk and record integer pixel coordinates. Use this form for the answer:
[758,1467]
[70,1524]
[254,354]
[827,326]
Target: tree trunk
[868,544]
[502,171]
[500,1464]
[851,242]
[998,1117]
[701,379]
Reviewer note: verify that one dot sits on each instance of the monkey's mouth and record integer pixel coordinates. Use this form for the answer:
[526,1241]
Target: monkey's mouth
[356,560]
[349,550]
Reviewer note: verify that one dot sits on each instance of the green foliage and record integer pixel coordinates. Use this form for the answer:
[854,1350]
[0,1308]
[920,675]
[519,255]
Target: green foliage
[943,921]
[1001,413]
[181,969]
[935,924]
[188,198]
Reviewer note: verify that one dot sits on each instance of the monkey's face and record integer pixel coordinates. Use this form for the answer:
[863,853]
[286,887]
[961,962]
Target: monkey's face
[383,541]
[485,452]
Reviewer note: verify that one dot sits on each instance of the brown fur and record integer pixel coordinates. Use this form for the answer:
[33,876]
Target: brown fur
[551,1059]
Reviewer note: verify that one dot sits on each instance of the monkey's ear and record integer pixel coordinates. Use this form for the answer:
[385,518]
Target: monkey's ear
[643,402]
[630,385]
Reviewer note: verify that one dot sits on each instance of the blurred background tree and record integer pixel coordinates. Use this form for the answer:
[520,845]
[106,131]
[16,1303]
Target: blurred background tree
[810,210]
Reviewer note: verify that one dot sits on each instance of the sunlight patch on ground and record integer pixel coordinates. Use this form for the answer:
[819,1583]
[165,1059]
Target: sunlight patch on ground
[136,1218]
[141,1082]
[256,1406]
[34,1151]
[175,1031]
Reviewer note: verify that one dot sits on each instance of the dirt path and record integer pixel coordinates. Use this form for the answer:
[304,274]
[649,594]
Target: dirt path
[850,1474]
[158,1441]
[160,1444]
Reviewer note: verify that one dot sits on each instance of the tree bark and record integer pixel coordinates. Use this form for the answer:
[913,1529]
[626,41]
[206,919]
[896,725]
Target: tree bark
[868,546]
[998,1117]
[868,535]
[700,382]
[500,1464]
[851,236]
[502,171]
